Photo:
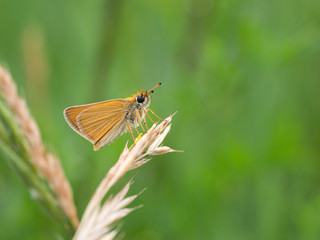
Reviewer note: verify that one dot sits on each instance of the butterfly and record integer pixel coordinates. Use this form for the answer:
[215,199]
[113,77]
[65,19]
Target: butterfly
[103,122]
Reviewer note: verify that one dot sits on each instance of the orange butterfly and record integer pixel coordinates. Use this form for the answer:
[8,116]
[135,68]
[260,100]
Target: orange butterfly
[103,122]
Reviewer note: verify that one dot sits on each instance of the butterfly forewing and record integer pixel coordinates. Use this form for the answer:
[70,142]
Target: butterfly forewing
[71,113]
[96,121]
[94,126]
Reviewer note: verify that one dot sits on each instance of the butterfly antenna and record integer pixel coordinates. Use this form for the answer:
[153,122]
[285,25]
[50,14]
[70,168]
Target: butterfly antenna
[151,90]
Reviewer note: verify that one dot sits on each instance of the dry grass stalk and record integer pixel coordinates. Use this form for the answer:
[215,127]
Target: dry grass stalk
[98,219]
[46,163]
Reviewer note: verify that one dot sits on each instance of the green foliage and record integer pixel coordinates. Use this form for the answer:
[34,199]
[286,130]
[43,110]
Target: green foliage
[244,78]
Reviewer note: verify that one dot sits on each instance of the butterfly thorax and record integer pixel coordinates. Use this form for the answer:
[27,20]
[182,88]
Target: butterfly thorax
[139,103]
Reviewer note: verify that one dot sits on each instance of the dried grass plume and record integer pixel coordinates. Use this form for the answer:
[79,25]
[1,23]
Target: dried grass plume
[46,163]
[98,219]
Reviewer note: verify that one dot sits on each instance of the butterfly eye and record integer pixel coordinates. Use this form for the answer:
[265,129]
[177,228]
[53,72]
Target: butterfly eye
[140,99]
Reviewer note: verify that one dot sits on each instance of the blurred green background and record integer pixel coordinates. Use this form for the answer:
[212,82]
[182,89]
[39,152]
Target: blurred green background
[244,78]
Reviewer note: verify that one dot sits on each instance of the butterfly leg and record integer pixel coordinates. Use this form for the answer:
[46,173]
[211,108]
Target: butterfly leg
[139,119]
[130,131]
[144,119]
[136,130]
[154,114]
[146,112]
[145,123]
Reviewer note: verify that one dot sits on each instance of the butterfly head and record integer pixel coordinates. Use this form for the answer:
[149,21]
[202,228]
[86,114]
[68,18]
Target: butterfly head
[144,97]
